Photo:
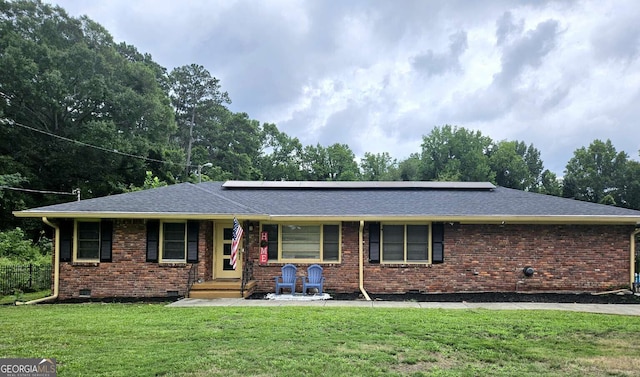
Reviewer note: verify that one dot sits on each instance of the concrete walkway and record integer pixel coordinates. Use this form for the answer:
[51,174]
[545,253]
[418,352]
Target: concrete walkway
[619,309]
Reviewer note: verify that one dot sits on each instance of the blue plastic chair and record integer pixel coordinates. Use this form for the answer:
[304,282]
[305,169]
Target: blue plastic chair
[314,279]
[288,278]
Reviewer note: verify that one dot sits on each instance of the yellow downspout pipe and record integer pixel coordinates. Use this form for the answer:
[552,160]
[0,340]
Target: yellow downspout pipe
[56,266]
[633,256]
[361,259]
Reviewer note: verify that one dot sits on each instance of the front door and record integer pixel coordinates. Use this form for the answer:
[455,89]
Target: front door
[222,254]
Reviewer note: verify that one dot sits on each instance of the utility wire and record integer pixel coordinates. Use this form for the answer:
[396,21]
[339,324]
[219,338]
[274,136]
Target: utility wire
[14,123]
[38,191]
[75,192]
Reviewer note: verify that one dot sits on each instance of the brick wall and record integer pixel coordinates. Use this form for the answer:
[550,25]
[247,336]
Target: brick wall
[129,275]
[484,258]
[340,277]
[478,258]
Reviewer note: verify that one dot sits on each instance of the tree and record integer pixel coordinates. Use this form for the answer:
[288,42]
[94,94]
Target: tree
[549,184]
[342,163]
[516,166]
[194,92]
[630,186]
[284,157]
[456,154]
[10,200]
[411,168]
[150,181]
[379,167]
[16,248]
[510,168]
[595,172]
[230,141]
[535,165]
[315,163]
[334,163]
[65,77]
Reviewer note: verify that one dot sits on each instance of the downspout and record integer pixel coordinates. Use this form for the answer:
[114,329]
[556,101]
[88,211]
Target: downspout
[56,266]
[361,260]
[633,257]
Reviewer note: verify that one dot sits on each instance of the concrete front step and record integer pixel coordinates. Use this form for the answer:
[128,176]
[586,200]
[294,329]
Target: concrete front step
[222,288]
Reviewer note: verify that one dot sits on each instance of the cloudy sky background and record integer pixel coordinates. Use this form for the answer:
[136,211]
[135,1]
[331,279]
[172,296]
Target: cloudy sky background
[378,75]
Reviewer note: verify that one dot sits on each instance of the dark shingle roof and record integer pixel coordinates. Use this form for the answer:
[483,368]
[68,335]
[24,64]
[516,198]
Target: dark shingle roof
[251,201]
[184,198]
[414,202]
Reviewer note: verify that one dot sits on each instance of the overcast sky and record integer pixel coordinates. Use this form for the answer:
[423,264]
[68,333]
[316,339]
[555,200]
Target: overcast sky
[378,75]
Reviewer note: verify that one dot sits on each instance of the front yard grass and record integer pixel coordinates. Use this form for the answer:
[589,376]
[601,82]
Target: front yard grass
[154,340]
[27,296]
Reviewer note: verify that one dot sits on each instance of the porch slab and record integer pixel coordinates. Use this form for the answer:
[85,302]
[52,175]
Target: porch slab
[297,297]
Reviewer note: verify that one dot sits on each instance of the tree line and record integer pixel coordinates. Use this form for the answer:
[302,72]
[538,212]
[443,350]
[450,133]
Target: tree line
[78,110]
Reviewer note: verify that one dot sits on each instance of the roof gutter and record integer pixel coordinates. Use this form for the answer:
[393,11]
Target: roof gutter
[471,219]
[56,267]
[463,219]
[361,260]
[139,215]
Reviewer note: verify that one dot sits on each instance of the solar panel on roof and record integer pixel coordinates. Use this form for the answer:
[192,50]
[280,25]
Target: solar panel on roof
[360,185]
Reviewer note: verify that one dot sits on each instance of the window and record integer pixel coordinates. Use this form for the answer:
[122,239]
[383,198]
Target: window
[174,241]
[86,240]
[300,241]
[417,243]
[303,242]
[405,243]
[331,243]
[88,236]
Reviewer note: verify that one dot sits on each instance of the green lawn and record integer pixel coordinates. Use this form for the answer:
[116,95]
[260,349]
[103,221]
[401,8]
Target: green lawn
[28,296]
[154,340]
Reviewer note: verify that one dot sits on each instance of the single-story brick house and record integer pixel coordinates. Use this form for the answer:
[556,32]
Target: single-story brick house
[370,237]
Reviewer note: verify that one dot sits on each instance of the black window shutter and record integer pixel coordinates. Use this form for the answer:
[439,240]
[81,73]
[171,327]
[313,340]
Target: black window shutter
[153,240]
[374,242]
[106,237]
[437,238]
[193,228]
[272,237]
[66,240]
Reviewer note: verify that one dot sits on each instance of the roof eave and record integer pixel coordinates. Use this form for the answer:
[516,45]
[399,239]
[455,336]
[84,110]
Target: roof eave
[482,219]
[139,215]
[492,219]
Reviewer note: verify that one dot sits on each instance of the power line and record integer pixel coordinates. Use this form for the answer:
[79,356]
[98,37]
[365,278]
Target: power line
[14,123]
[75,192]
[37,191]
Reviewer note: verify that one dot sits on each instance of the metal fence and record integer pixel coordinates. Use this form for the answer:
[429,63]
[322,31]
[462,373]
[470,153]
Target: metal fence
[25,278]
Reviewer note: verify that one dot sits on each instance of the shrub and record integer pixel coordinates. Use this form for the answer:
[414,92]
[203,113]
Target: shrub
[15,247]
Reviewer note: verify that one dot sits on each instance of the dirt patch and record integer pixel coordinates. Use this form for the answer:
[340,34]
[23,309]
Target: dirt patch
[622,365]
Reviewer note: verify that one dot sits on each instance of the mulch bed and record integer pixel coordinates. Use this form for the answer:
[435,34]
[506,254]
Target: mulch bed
[582,298]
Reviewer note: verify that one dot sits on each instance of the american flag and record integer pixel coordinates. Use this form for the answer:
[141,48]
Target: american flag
[235,242]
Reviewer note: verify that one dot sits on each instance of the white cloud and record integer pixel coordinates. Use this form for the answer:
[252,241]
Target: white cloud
[377,75]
